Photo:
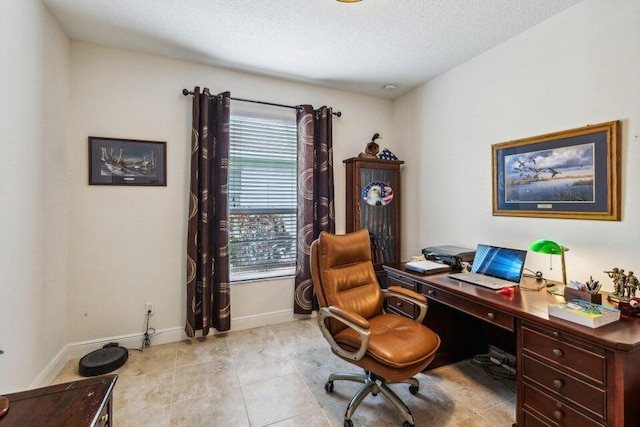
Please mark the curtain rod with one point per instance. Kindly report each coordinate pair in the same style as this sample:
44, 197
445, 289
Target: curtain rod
185, 92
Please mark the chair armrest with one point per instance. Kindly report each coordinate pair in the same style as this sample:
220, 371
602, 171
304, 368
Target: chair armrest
348, 316
407, 293
353, 321
410, 296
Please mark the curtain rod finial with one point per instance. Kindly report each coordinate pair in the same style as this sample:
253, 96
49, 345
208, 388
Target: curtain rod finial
186, 92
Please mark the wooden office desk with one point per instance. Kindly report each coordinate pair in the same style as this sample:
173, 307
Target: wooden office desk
567, 374
81, 403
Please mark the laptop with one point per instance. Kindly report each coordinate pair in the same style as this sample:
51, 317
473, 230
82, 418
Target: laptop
494, 267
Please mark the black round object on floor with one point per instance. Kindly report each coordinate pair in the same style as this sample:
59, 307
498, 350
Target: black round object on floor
104, 360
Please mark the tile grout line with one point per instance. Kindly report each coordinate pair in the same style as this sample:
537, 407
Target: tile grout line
235, 370
309, 390
173, 381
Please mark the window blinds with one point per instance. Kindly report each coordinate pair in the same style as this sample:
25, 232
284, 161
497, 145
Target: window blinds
262, 196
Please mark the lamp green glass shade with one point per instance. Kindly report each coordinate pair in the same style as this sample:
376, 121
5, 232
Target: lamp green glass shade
550, 247
544, 246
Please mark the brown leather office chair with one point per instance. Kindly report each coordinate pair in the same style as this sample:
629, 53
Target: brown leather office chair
390, 348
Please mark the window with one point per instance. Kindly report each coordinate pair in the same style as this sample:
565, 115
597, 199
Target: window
262, 196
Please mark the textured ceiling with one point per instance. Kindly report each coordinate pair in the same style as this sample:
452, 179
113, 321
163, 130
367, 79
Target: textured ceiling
358, 47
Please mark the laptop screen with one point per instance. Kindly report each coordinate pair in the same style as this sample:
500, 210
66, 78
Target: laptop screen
498, 262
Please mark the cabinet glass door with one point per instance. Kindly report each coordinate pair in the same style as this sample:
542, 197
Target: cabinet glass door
377, 211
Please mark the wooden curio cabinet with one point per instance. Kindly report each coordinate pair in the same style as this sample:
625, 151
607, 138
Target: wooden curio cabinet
373, 202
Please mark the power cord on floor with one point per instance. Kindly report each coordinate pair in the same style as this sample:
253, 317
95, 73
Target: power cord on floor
148, 333
499, 368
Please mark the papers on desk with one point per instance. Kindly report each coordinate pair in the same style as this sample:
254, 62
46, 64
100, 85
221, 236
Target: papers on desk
426, 267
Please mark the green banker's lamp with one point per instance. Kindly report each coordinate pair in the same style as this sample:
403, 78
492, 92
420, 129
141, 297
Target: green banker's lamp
550, 247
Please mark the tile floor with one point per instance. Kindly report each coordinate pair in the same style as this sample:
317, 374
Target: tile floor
275, 376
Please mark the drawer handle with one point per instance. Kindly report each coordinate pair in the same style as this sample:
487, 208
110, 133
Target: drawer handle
557, 414
558, 383
399, 304
557, 352
104, 418
491, 315
431, 292
556, 334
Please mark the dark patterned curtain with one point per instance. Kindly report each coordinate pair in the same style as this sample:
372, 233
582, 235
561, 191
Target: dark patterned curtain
208, 293
316, 210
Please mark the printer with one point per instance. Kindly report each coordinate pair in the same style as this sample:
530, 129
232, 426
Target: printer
453, 256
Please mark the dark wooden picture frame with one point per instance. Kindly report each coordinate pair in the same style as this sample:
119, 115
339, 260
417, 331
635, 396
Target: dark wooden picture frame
114, 161
573, 174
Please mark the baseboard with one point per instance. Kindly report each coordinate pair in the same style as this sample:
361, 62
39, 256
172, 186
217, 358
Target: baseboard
77, 350
162, 336
131, 341
47, 375
259, 320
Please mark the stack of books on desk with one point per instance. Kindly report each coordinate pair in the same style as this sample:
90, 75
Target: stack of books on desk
584, 313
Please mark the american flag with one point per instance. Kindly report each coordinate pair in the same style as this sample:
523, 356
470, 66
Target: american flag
387, 195
386, 154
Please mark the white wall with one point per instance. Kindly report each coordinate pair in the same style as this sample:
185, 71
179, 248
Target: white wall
127, 245
577, 68
34, 76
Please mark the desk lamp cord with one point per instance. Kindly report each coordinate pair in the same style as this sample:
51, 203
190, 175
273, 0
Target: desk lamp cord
538, 277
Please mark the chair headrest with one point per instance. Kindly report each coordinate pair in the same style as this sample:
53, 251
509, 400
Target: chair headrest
344, 249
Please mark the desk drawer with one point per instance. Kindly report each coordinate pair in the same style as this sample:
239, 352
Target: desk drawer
592, 399
404, 282
406, 308
103, 419
552, 410
531, 420
566, 356
488, 314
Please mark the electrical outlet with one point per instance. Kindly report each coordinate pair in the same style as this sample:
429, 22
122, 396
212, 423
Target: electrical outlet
149, 308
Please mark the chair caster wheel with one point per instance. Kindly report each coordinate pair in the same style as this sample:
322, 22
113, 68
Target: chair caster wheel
413, 389
348, 423
328, 386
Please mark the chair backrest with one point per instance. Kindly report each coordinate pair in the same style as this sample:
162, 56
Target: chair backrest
343, 275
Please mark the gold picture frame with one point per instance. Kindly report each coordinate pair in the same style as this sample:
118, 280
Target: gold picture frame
572, 174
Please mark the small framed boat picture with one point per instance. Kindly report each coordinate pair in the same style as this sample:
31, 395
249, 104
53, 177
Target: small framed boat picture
115, 161
572, 174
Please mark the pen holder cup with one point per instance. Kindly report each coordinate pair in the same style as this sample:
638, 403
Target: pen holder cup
571, 294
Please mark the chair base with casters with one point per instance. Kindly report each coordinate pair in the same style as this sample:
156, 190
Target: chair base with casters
374, 384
